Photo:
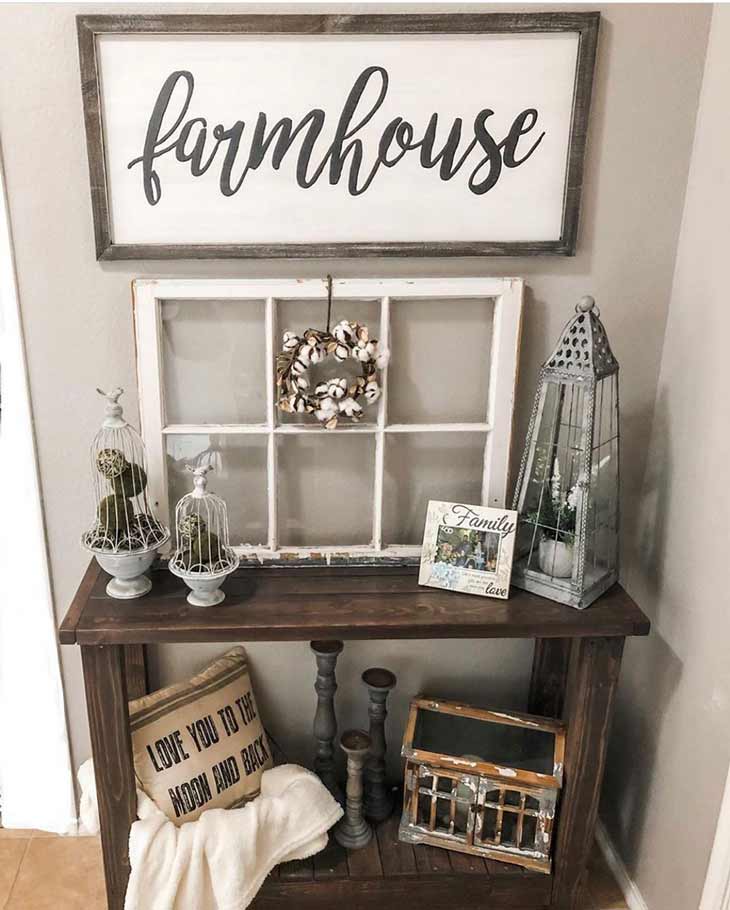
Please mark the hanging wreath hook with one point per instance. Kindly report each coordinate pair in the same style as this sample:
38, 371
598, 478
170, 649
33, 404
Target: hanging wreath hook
329, 302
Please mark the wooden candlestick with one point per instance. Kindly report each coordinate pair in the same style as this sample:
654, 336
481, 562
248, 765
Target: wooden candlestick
352, 831
378, 803
325, 721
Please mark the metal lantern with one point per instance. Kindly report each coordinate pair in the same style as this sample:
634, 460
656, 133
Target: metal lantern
203, 557
125, 535
567, 495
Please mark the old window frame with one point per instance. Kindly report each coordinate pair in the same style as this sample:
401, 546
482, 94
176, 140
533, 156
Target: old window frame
507, 294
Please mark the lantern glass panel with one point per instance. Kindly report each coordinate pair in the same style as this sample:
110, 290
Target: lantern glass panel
549, 510
602, 517
502, 744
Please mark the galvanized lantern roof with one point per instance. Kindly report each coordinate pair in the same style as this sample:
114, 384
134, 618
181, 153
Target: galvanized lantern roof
583, 350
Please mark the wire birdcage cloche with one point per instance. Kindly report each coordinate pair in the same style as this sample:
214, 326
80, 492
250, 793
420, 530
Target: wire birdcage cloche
125, 534
203, 557
567, 494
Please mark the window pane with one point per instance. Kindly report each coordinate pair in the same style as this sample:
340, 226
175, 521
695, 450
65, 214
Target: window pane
325, 489
299, 315
502, 744
213, 361
239, 476
439, 368
424, 466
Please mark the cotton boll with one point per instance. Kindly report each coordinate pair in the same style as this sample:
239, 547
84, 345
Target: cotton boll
316, 355
343, 331
382, 359
302, 382
342, 352
372, 391
321, 389
337, 388
361, 353
298, 367
350, 407
290, 341
327, 413
328, 406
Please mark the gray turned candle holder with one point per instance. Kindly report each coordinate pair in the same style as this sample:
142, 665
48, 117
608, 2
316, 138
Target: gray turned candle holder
378, 803
325, 720
352, 831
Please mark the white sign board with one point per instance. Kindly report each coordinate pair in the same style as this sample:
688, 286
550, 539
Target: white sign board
352, 141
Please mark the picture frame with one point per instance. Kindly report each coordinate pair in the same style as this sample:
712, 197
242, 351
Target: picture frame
520, 197
468, 548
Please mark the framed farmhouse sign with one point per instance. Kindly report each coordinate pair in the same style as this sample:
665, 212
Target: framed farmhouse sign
217, 136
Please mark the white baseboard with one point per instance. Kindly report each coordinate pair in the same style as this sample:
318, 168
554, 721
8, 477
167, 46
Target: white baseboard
631, 893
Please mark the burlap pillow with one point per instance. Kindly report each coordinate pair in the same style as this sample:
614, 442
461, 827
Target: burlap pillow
200, 744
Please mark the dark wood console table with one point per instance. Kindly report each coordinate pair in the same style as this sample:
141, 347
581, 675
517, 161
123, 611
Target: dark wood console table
574, 676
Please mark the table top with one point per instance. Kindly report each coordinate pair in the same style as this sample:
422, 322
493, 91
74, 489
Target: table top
306, 603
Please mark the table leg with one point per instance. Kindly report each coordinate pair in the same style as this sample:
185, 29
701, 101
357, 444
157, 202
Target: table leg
549, 676
135, 666
106, 700
592, 678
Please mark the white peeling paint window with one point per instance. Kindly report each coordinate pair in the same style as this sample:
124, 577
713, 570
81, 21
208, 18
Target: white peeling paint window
441, 429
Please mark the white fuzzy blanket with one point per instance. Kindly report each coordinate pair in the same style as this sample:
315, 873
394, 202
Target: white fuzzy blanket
220, 861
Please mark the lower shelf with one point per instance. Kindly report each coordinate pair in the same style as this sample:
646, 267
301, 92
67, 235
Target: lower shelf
388, 874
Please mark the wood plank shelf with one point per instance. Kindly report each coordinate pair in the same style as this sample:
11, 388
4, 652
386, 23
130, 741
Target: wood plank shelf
301, 604
389, 874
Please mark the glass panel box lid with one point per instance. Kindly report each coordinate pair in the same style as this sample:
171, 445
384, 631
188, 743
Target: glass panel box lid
482, 782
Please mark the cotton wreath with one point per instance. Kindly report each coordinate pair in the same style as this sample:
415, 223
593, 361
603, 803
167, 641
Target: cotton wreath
336, 398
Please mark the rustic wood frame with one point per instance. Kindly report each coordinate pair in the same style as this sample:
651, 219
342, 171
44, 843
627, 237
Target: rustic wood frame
89, 26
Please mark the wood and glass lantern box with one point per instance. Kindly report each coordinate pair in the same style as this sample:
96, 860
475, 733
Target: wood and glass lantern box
482, 782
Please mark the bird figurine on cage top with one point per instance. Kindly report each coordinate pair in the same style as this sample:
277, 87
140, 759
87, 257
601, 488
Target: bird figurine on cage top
125, 534
203, 557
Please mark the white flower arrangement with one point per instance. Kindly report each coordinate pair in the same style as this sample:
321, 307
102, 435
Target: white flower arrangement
334, 399
557, 510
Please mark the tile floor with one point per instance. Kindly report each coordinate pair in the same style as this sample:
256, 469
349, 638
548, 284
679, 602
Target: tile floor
42, 872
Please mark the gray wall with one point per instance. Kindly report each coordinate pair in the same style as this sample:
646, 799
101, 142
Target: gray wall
671, 743
78, 318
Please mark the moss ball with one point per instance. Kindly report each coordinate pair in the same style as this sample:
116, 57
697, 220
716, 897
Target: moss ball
206, 550
190, 526
147, 524
115, 513
111, 463
131, 482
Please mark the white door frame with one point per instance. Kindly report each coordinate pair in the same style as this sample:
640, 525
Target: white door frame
35, 764
716, 893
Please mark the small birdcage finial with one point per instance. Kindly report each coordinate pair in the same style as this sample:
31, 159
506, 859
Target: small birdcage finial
200, 478
113, 408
